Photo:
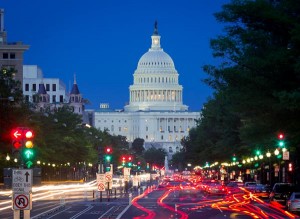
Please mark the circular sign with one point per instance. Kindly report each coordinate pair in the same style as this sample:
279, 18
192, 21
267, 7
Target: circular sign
21, 201
101, 187
108, 177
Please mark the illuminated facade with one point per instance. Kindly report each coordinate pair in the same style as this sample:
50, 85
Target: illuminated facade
155, 112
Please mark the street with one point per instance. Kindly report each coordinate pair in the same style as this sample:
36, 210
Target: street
77, 201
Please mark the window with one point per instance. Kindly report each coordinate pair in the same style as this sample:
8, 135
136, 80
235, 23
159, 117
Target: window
33, 87
146, 128
146, 136
162, 137
12, 55
53, 87
5, 55
47, 87
112, 128
53, 98
26, 87
120, 129
27, 98
170, 150
61, 98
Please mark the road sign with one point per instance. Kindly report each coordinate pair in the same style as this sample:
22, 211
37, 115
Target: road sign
108, 177
22, 181
286, 155
101, 187
135, 181
126, 178
101, 182
126, 171
21, 202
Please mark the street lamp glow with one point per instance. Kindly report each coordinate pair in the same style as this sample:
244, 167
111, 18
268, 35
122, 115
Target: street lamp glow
268, 154
7, 157
261, 156
251, 159
255, 158
243, 161
284, 149
276, 152
16, 160
248, 160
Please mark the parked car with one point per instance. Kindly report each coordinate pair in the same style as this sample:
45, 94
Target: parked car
293, 203
281, 192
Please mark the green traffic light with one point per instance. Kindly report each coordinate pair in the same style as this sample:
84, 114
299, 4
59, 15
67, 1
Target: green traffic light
257, 152
108, 158
129, 164
281, 143
28, 154
234, 159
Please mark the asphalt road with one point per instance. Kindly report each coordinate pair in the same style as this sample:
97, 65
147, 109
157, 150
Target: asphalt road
152, 203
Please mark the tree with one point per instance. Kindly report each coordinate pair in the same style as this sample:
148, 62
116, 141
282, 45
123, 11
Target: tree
138, 146
256, 83
155, 156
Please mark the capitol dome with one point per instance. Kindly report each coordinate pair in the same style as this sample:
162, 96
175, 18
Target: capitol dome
155, 85
155, 59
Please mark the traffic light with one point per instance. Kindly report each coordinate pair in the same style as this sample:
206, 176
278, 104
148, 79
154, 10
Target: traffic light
123, 160
129, 161
281, 140
17, 141
290, 167
138, 165
22, 145
28, 153
234, 158
107, 158
257, 152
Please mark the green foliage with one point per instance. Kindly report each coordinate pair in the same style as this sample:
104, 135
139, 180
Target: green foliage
138, 146
155, 156
256, 84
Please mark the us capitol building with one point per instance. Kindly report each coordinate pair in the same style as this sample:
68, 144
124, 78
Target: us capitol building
155, 112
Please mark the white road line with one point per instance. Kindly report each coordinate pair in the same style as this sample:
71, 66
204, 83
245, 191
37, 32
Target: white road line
82, 212
123, 212
106, 212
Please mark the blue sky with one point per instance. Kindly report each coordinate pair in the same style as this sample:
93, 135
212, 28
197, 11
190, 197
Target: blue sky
102, 42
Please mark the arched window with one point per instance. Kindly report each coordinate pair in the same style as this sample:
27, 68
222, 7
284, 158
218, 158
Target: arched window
170, 150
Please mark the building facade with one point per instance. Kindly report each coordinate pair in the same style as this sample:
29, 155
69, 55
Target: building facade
11, 53
55, 88
155, 112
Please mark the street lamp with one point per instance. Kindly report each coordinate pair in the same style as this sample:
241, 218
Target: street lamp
276, 152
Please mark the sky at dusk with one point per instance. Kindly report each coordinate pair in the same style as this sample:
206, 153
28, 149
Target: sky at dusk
102, 41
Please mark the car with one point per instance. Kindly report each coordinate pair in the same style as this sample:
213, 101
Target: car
234, 187
250, 184
187, 189
293, 203
216, 189
261, 190
281, 192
